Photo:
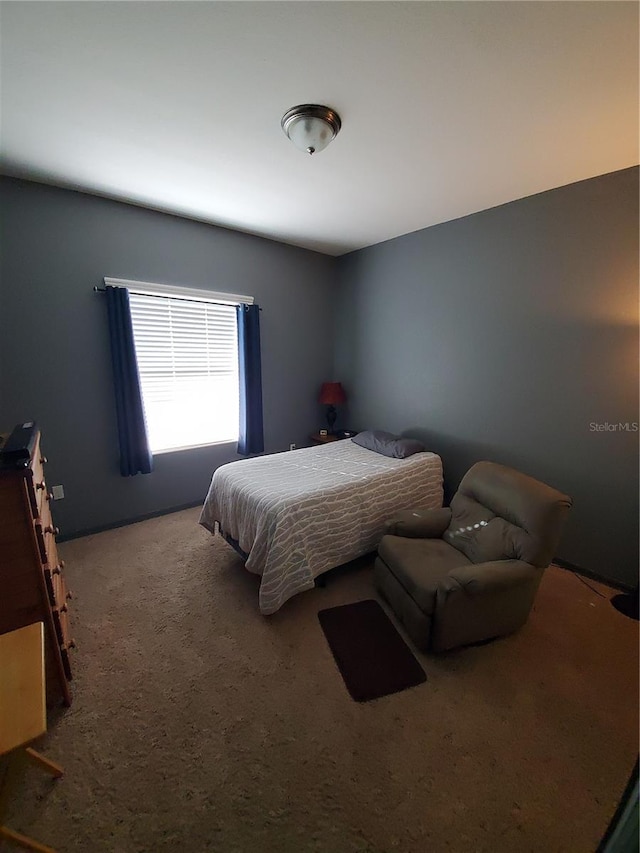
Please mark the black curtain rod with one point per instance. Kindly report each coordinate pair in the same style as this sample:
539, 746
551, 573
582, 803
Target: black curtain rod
152, 295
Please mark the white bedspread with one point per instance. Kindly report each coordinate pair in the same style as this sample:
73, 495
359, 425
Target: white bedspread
301, 513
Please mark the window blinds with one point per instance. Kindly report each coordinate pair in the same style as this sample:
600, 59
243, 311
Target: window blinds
187, 354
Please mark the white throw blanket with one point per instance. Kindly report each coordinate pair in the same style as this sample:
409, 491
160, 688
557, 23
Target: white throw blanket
301, 513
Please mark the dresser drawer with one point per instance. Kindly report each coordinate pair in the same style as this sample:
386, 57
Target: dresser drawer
66, 660
43, 497
56, 584
60, 594
61, 624
53, 560
60, 609
37, 496
46, 533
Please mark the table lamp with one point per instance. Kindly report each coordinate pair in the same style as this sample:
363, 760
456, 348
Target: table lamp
331, 395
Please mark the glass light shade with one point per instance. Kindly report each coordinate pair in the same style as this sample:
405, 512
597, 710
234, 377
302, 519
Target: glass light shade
310, 134
311, 127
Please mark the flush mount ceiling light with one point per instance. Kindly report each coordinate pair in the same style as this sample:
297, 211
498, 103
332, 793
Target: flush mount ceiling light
311, 127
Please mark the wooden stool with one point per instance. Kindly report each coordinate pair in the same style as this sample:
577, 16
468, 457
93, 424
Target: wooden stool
23, 715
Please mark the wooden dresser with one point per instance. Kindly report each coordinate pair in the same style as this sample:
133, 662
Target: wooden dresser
32, 585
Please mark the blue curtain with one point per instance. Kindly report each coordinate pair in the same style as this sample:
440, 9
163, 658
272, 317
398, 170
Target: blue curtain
251, 432
135, 457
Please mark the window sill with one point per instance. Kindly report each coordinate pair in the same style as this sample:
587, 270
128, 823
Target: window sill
193, 446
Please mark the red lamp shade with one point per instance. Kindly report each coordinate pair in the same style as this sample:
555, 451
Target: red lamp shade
332, 394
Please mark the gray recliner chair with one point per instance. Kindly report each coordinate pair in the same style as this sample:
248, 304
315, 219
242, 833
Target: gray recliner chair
470, 572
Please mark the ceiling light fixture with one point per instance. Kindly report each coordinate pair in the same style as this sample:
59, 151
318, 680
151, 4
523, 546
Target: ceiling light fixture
311, 127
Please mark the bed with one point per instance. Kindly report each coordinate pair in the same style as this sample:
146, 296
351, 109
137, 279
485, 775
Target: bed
296, 515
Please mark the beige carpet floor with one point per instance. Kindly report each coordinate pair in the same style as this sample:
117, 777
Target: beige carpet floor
199, 725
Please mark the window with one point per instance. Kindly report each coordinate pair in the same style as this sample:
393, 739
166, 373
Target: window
187, 352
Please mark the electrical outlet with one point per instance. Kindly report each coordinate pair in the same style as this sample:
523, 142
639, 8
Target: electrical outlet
58, 492
292, 447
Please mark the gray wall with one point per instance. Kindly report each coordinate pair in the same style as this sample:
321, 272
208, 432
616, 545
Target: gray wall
54, 351
504, 336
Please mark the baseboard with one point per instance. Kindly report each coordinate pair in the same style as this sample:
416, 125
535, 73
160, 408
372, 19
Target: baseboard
594, 576
78, 534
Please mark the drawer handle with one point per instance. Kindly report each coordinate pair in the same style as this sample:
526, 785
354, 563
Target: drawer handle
51, 529
57, 569
43, 460
63, 608
49, 496
69, 595
41, 485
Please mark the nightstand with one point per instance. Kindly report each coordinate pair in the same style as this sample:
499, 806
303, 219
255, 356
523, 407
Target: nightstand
316, 438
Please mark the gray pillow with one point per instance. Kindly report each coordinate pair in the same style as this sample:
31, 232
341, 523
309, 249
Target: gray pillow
388, 444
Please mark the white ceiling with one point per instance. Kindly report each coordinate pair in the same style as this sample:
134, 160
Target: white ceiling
447, 107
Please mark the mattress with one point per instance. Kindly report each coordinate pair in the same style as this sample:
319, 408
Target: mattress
301, 513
